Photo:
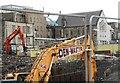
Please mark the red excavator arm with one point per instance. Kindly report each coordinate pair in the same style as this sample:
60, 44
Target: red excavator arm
11, 36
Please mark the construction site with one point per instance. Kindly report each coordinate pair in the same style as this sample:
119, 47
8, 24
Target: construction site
78, 47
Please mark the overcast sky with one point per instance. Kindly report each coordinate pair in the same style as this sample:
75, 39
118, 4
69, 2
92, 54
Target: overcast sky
110, 7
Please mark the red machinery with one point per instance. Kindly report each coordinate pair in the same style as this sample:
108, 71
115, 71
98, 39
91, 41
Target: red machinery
11, 36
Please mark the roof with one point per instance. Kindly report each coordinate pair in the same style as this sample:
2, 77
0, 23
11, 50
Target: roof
77, 21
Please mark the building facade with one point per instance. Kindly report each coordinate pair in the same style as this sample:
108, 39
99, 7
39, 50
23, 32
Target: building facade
104, 31
39, 22
34, 25
11, 27
74, 26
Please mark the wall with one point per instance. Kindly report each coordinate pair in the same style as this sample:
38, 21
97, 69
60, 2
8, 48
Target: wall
39, 22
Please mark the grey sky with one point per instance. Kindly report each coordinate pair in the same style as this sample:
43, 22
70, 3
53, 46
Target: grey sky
110, 7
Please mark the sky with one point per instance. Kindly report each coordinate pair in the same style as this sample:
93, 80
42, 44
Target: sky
110, 7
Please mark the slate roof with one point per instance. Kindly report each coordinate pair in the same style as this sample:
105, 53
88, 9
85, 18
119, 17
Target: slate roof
76, 21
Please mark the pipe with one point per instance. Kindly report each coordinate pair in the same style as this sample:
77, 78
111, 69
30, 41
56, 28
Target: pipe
40, 12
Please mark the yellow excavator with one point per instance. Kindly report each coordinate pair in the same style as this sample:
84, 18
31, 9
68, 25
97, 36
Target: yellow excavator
41, 69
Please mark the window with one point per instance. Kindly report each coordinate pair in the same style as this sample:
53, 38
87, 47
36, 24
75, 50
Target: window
13, 27
20, 19
105, 42
28, 30
18, 40
30, 19
41, 20
28, 41
41, 28
41, 36
102, 25
78, 32
34, 19
37, 35
71, 33
66, 35
61, 33
37, 28
16, 19
41, 42
24, 29
37, 19
64, 22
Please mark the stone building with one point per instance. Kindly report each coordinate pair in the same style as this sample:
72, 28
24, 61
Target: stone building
74, 26
34, 25
11, 27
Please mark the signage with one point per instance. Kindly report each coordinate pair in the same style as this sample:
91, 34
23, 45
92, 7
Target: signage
68, 51
43, 66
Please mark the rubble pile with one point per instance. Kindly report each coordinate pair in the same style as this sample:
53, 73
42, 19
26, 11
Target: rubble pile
64, 70
13, 63
107, 70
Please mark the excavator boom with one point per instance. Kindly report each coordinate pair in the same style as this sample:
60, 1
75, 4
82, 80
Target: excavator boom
11, 36
41, 69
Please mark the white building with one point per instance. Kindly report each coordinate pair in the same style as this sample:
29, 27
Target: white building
104, 31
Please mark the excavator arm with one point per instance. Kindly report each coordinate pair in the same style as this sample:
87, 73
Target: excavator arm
53, 22
41, 69
11, 36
